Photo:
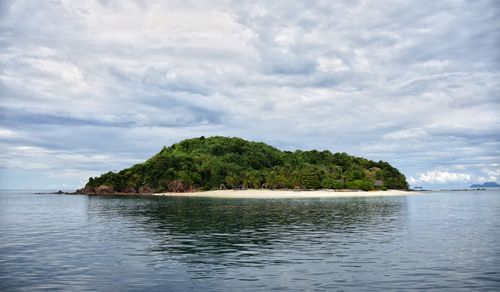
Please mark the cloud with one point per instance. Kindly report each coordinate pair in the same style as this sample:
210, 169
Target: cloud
441, 177
413, 84
6, 133
474, 173
492, 173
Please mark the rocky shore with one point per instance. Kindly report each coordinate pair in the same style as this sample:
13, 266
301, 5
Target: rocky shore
108, 190
243, 193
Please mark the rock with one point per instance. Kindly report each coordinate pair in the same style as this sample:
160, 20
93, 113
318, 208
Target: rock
175, 186
145, 189
103, 189
130, 190
86, 190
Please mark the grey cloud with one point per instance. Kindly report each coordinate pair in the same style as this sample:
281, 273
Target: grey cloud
5, 7
15, 118
415, 84
22, 118
158, 80
288, 65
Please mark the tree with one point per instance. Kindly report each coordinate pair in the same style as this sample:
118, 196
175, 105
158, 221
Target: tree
311, 178
331, 183
231, 181
206, 163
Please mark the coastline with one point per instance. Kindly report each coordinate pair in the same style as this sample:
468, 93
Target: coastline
286, 194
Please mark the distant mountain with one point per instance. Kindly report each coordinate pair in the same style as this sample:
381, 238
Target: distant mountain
490, 184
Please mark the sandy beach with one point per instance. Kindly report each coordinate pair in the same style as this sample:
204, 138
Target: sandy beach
286, 194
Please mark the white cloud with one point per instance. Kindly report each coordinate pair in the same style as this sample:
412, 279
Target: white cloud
441, 177
412, 181
6, 133
493, 172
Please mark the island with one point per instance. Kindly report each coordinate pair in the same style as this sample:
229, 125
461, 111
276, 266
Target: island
209, 165
489, 184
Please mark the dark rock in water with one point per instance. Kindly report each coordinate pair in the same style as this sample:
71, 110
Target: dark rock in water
57, 193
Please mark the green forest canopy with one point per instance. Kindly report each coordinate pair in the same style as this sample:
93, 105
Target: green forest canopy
223, 162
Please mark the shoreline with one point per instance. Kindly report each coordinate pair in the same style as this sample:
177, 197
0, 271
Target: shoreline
286, 194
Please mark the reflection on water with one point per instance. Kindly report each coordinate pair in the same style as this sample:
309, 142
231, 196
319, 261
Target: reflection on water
442, 240
257, 232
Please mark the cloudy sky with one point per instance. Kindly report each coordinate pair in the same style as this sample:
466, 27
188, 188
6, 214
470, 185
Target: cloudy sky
92, 86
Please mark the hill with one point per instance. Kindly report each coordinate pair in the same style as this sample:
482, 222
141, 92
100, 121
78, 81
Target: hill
222, 162
489, 184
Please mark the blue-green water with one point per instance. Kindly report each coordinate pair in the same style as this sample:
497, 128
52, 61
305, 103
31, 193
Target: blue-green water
436, 240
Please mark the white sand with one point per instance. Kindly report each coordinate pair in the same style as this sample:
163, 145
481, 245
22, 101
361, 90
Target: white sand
286, 194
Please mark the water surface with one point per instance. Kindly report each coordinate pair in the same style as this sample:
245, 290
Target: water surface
436, 240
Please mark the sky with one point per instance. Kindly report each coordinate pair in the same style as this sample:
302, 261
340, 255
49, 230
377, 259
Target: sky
92, 86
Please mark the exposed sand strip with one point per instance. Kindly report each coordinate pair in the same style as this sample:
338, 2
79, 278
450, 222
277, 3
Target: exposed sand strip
286, 194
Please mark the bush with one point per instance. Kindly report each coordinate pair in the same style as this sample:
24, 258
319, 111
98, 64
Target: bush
206, 163
360, 185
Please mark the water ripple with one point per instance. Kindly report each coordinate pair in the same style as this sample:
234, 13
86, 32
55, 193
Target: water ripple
432, 241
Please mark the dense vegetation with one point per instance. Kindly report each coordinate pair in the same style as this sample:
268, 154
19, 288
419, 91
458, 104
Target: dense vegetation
221, 162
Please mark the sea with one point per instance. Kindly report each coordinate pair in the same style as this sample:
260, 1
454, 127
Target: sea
446, 240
